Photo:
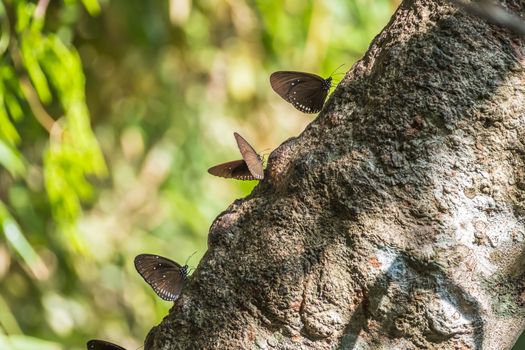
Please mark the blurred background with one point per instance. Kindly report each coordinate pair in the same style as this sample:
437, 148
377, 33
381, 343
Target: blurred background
111, 111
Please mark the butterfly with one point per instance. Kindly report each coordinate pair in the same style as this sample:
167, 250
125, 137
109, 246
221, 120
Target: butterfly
248, 168
96, 344
165, 276
305, 91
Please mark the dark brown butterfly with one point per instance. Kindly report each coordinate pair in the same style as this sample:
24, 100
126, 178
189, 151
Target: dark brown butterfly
96, 344
248, 168
305, 91
165, 276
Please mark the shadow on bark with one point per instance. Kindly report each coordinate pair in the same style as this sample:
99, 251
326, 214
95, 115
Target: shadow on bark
413, 279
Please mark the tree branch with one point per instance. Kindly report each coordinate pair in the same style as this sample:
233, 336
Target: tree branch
395, 220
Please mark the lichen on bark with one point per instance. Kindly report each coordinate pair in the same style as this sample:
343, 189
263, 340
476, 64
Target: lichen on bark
394, 221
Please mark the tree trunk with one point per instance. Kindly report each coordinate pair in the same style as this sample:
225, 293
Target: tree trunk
396, 220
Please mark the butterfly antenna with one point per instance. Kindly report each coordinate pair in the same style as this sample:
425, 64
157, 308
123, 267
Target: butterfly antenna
263, 155
266, 152
186, 263
337, 69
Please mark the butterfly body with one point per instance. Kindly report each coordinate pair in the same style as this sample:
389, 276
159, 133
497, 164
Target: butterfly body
165, 276
96, 344
305, 91
248, 168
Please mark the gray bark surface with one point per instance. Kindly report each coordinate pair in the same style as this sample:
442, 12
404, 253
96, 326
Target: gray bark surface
396, 220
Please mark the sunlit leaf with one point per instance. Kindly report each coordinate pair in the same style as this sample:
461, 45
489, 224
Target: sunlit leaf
30, 42
20, 244
92, 6
5, 31
7, 318
24, 12
10, 80
15, 111
11, 159
8, 132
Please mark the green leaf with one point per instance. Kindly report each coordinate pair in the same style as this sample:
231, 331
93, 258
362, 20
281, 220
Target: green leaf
8, 132
18, 241
30, 43
12, 160
15, 111
92, 6
5, 31
11, 83
24, 12
7, 318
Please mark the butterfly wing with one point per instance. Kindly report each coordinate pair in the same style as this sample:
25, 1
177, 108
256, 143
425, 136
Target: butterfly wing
165, 276
283, 82
305, 91
252, 159
237, 169
96, 344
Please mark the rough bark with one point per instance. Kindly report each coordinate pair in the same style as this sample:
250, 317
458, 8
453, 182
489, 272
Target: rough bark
394, 221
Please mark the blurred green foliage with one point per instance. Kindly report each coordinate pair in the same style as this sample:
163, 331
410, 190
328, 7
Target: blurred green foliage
166, 83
